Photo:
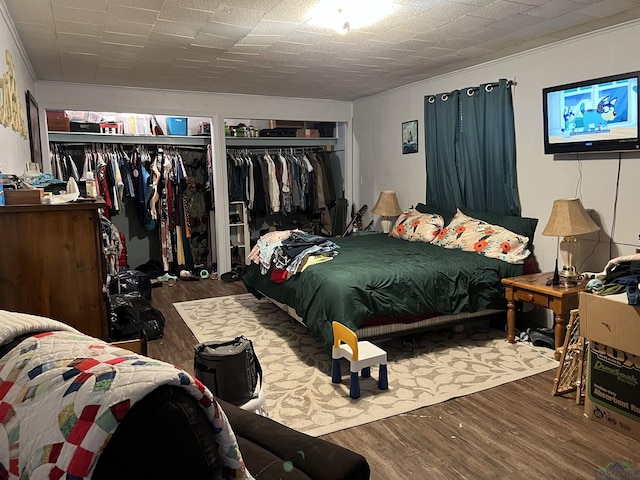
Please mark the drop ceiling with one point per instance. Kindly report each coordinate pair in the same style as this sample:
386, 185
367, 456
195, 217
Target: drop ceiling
268, 47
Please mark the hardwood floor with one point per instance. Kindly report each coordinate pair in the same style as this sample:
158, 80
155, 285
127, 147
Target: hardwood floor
515, 431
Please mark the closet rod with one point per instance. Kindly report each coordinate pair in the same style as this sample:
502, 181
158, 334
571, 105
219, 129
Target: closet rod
165, 140
272, 150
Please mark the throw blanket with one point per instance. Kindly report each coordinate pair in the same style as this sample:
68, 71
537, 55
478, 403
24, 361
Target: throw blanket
62, 395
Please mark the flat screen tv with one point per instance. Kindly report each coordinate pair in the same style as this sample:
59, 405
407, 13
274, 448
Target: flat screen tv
597, 115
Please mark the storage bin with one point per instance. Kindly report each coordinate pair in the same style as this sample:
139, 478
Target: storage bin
23, 197
85, 127
177, 125
58, 124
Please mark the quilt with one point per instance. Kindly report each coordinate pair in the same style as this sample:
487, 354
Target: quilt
62, 395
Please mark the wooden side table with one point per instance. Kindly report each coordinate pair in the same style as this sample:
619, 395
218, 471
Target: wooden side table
533, 289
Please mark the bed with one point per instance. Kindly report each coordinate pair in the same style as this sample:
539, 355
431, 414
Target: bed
380, 285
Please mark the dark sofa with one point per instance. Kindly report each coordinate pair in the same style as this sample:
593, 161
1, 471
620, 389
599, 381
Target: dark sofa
166, 435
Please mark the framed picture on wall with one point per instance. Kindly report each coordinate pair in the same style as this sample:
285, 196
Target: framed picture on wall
410, 137
33, 119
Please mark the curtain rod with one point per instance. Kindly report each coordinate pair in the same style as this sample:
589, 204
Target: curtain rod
470, 90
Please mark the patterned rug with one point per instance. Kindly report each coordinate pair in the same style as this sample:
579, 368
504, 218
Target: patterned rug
425, 370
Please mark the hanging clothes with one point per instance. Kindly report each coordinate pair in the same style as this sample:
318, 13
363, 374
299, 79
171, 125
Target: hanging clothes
158, 183
283, 183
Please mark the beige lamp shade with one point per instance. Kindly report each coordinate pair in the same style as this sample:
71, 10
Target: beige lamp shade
568, 219
387, 206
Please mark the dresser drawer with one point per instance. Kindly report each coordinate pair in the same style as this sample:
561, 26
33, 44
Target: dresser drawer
531, 297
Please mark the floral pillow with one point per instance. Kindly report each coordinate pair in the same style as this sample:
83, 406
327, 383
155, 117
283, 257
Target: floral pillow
473, 235
417, 227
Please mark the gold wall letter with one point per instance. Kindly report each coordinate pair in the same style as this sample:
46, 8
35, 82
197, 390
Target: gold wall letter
12, 109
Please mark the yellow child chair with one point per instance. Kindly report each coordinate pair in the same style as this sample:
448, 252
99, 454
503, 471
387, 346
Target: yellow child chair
362, 356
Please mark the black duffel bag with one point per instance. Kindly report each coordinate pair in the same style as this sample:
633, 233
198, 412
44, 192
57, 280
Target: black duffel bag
131, 314
230, 369
127, 281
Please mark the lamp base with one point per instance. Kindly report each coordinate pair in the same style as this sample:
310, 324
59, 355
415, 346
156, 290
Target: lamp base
385, 224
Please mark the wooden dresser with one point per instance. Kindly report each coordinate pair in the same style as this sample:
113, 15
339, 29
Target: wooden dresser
51, 263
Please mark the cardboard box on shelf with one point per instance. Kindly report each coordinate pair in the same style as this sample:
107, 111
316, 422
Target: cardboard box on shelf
286, 124
308, 133
610, 320
58, 124
56, 114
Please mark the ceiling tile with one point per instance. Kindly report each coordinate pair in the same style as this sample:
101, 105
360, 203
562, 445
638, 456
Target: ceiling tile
128, 28
197, 18
205, 40
100, 5
29, 11
272, 27
227, 31
204, 5
134, 15
123, 39
79, 15
164, 27
554, 8
606, 9
261, 5
26, 29
241, 17
147, 4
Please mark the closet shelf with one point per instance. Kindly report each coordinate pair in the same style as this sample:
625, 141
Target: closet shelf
275, 142
247, 142
81, 137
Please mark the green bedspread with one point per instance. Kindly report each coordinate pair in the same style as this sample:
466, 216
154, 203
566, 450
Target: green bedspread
380, 276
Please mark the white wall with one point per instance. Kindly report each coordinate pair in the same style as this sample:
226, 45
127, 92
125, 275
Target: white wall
541, 179
15, 148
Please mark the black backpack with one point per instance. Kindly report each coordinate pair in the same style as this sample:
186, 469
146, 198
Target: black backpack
229, 369
131, 314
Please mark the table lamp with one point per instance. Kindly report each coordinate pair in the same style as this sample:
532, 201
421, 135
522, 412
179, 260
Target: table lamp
568, 219
387, 207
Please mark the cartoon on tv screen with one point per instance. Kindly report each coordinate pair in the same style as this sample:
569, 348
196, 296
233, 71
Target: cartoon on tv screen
605, 111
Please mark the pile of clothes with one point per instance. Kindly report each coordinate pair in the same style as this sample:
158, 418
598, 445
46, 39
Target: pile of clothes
285, 253
622, 274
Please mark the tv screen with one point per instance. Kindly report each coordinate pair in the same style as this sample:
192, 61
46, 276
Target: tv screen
592, 116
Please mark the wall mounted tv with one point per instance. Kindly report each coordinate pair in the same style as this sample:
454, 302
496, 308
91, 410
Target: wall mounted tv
597, 115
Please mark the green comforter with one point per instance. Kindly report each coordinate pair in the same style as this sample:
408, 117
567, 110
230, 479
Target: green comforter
380, 276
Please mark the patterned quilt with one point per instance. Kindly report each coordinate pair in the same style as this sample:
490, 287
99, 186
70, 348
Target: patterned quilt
62, 395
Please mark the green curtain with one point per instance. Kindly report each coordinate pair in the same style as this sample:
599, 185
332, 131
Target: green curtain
470, 149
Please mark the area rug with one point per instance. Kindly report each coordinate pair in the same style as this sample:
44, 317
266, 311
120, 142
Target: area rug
423, 370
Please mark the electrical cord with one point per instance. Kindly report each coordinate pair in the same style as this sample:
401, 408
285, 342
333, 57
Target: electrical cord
615, 206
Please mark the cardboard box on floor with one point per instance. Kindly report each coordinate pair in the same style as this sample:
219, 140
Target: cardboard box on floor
610, 320
612, 327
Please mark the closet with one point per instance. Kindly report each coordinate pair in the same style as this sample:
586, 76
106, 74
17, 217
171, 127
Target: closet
217, 233
156, 190
287, 182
